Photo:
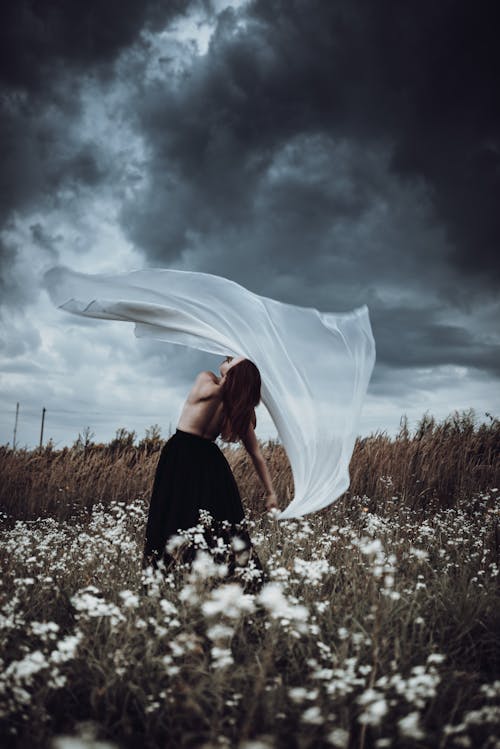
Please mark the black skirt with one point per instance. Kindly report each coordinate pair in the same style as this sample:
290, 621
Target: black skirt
192, 475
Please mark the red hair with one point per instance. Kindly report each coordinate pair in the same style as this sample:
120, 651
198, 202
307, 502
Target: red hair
240, 395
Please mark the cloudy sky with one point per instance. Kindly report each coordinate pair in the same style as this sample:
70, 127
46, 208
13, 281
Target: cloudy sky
326, 153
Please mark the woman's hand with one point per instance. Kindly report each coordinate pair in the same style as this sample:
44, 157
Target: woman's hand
271, 501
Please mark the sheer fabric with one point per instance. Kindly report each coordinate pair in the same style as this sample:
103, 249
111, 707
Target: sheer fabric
315, 366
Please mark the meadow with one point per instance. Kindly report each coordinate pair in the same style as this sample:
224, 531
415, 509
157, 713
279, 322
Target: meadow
378, 626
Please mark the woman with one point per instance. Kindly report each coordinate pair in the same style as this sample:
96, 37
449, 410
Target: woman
193, 473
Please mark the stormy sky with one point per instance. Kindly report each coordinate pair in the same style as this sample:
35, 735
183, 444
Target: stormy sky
326, 153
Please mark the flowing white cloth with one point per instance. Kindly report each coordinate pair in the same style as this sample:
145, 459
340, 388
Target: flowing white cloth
315, 366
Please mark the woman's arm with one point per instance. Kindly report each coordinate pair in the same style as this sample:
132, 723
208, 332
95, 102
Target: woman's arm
260, 465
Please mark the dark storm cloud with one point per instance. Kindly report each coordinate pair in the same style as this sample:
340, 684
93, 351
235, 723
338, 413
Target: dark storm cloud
40, 36
42, 239
41, 153
419, 78
410, 337
317, 152
46, 46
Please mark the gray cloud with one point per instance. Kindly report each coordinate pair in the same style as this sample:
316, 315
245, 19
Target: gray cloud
410, 337
48, 51
39, 39
389, 74
328, 154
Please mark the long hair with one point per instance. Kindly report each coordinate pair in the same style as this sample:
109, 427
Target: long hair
240, 395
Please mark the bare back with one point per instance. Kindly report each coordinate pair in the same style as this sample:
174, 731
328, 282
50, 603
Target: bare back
203, 410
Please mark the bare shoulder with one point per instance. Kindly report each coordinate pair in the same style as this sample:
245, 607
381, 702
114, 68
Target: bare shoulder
205, 386
207, 376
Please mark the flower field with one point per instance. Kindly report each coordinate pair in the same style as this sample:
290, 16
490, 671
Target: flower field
378, 627
375, 630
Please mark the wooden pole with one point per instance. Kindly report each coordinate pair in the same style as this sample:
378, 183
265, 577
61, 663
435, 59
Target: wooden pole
15, 427
41, 430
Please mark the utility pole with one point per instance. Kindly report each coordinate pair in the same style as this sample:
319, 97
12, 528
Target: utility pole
41, 430
15, 427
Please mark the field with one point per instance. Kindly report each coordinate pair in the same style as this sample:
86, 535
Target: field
379, 627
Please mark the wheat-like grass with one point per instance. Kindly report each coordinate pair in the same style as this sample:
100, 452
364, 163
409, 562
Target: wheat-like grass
433, 467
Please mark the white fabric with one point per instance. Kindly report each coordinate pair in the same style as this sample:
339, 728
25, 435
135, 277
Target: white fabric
315, 366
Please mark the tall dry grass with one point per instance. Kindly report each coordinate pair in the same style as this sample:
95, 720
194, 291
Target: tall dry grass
435, 466
379, 627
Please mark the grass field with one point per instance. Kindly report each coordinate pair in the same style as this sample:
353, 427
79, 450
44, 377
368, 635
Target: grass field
379, 627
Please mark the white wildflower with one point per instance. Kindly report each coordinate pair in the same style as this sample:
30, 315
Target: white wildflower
204, 566
339, 738
375, 707
222, 657
90, 605
188, 594
419, 553
238, 544
45, 630
130, 600
280, 573
272, 597
409, 726
174, 542
30, 665
368, 546
491, 691
219, 631
436, 658
313, 570
312, 715
168, 607
229, 600
297, 694
66, 648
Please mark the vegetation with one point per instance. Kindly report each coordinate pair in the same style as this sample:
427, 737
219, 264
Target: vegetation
437, 465
378, 626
